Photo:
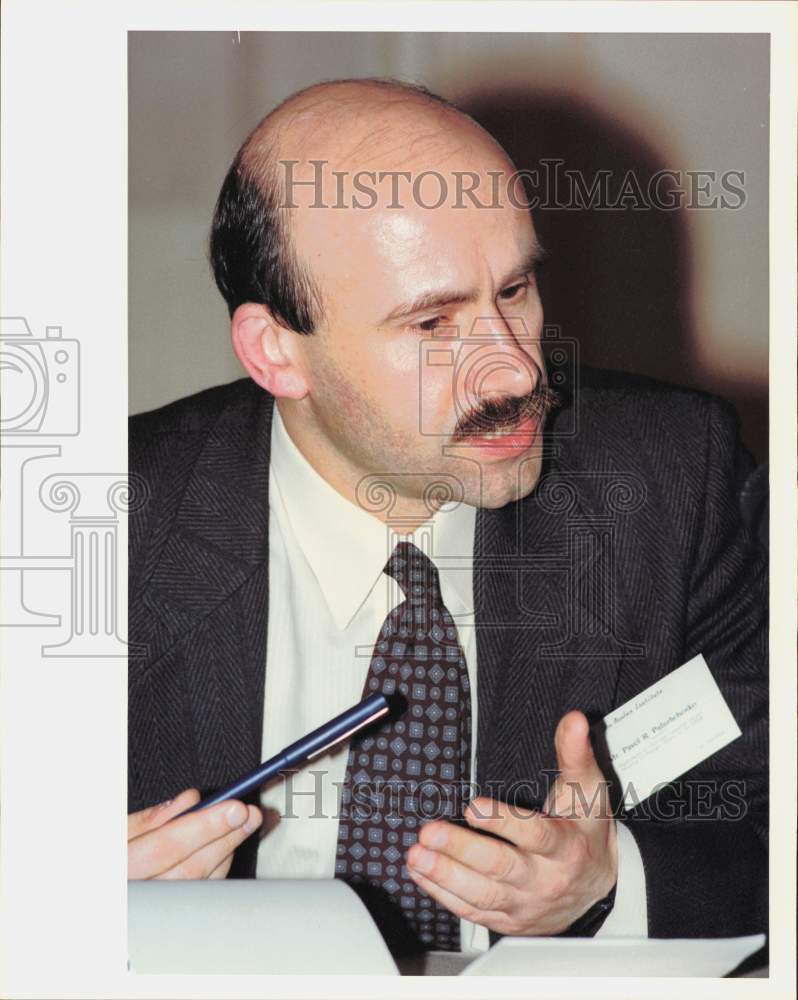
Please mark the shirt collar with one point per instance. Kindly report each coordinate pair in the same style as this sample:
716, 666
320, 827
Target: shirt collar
347, 548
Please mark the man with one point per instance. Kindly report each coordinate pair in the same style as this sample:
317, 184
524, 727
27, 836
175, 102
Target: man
396, 463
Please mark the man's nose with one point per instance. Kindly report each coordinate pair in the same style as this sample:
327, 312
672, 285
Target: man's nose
502, 358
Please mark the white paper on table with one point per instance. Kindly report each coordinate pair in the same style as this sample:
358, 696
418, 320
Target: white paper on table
268, 926
320, 927
684, 957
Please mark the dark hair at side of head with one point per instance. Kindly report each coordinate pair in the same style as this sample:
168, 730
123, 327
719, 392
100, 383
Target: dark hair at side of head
250, 247
251, 253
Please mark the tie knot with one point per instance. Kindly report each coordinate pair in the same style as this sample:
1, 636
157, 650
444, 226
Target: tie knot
415, 573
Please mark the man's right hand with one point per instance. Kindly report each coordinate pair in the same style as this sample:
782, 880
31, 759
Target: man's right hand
196, 846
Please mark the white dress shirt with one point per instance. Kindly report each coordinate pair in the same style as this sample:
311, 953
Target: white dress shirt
328, 598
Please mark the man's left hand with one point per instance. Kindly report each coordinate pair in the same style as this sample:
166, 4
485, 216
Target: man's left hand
548, 868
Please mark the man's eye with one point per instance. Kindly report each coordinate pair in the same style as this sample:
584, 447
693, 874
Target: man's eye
513, 291
427, 325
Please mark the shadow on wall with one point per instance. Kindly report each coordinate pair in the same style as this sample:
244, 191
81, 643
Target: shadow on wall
618, 281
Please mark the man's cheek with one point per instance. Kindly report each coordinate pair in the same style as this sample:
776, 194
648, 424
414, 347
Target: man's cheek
399, 355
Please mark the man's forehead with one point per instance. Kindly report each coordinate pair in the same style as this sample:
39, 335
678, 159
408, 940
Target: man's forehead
380, 257
395, 185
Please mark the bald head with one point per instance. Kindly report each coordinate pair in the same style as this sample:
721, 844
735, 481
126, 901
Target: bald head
297, 156
349, 123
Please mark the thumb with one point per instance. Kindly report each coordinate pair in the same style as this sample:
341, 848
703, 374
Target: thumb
580, 789
575, 758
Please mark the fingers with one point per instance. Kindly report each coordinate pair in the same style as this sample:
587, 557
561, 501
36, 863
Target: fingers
214, 859
155, 816
524, 892
221, 870
527, 830
485, 855
171, 845
477, 891
459, 907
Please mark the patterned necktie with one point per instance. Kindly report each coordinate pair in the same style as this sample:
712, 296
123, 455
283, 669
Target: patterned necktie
414, 767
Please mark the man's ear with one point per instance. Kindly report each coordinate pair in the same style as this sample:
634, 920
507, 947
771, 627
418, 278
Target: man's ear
264, 348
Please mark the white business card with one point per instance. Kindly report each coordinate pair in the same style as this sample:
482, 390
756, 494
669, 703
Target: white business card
667, 729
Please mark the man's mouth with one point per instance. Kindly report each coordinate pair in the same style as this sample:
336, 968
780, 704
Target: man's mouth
505, 441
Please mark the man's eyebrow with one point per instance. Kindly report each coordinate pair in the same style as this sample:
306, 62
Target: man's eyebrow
533, 259
429, 301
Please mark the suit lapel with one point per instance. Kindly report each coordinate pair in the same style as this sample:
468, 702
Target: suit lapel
494, 598
521, 605
208, 595
547, 573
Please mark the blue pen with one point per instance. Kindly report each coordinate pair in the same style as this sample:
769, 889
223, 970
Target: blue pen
310, 746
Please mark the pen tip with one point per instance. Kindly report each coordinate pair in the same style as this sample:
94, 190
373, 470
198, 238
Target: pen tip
397, 705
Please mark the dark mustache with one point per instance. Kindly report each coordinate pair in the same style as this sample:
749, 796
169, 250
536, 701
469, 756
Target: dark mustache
507, 412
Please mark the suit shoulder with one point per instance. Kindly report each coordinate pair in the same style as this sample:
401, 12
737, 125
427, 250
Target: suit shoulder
177, 425
628, 403
189, 414
637, 422
607, 385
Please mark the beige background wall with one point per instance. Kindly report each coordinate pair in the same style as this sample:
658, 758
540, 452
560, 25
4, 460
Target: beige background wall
680, 295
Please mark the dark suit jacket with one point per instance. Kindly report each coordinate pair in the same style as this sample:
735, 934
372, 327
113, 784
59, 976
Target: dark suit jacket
628, 559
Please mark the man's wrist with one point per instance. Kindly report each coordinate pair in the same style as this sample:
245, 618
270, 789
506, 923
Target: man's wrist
592, 919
